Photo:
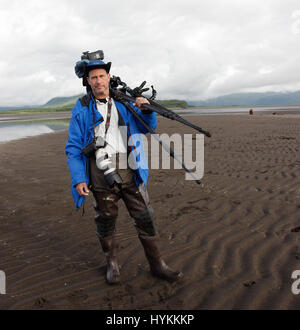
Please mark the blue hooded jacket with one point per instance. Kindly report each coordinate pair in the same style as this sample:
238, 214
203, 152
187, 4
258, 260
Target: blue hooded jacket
81, 133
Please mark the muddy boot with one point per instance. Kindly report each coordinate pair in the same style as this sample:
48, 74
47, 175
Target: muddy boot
108, 246
157, 266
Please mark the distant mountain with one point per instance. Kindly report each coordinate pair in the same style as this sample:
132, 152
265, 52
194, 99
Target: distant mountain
237, 99
251, 99
62, 101
69, 101
173, 103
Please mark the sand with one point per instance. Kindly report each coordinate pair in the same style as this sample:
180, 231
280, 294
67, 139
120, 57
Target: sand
236, 237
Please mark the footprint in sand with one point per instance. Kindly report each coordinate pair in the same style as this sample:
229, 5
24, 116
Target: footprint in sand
249, 284
295, 230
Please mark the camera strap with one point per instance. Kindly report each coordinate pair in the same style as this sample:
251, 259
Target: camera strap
107, 123
108, 115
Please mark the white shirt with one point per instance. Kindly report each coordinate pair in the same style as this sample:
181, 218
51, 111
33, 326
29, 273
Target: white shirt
115, 143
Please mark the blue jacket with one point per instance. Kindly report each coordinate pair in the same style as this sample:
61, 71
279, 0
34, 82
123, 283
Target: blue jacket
81, 133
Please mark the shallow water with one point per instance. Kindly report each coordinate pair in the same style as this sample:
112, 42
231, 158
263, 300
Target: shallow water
18, 130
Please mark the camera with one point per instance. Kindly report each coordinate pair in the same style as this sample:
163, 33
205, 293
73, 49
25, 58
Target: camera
105, 164
81, 66
97, 55
90, 149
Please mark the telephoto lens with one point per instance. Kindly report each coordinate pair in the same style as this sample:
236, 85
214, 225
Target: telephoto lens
104, 163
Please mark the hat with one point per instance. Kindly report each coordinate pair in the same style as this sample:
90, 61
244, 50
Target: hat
98, 64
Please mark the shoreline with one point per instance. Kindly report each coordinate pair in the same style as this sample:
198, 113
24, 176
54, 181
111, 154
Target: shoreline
286, 115
182, 112
38, 116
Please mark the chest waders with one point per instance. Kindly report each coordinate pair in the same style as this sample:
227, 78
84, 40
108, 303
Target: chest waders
136, 200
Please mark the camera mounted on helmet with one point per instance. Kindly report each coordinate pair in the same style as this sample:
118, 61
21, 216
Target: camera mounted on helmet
90, 61
97, 55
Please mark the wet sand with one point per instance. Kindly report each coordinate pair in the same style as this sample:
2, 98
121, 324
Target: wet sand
236, 237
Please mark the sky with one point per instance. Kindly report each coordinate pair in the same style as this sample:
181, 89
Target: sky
189, 50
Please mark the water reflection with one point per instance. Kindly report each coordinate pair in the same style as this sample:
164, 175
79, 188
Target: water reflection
14, 130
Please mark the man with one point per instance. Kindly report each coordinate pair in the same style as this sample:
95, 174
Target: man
98, 115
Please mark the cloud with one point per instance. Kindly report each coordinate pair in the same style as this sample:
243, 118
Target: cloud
188, 50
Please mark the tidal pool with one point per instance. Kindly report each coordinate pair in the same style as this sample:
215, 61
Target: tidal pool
17, 130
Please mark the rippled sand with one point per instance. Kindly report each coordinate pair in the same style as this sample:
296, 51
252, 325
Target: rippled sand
236, 237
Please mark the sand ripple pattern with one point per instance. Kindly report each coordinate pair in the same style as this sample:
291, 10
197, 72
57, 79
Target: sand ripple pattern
236, 237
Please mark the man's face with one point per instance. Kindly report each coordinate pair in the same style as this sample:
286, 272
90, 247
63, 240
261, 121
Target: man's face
98, 79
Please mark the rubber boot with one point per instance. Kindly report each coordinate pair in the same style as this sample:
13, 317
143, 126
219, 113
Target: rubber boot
157, 265
108, 246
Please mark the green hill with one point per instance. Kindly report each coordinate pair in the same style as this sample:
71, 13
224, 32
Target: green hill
173, 103
62, 101
70, 101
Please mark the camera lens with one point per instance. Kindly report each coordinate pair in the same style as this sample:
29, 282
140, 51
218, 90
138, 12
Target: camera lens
104, 163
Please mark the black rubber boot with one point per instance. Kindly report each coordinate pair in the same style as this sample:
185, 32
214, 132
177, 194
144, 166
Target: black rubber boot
108, 246
157, 265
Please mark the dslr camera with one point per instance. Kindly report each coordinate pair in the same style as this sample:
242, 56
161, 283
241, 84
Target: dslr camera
103, 161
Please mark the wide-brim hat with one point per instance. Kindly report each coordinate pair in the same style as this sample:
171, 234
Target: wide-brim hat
98, 64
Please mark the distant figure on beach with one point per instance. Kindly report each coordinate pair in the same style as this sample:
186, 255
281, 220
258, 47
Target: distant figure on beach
94, 149
251, 112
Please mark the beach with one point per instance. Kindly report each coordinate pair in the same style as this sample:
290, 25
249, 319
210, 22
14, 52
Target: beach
236, 237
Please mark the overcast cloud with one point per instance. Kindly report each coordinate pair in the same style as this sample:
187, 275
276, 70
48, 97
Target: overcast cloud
188, 49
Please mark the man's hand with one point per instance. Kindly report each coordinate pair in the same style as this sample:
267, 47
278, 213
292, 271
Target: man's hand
139, 101
82, 189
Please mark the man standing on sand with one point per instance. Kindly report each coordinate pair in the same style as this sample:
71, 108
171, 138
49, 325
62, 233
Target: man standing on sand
97, 115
